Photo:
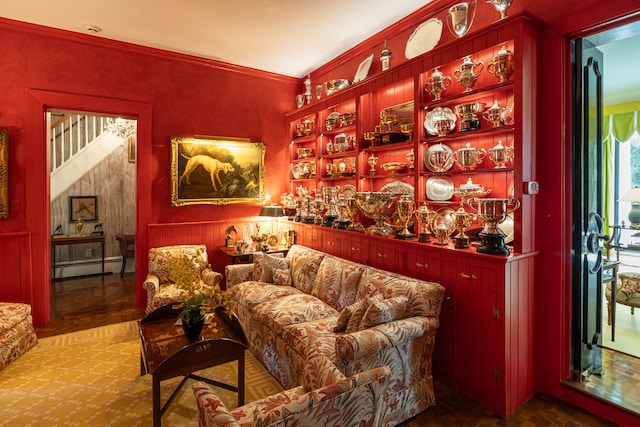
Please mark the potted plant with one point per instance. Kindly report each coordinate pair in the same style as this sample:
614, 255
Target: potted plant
197, 298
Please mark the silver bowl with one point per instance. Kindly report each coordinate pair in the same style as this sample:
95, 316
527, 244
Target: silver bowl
376, 206
333, 86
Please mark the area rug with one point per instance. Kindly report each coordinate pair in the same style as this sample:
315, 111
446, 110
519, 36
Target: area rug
92, 378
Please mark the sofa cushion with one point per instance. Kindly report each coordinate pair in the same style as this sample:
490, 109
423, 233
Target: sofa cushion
304, 264
265, 264
337, 282
252, 293
282, 277
291, 309
384, 311
425, 298
312, 337
358, 314
347, 312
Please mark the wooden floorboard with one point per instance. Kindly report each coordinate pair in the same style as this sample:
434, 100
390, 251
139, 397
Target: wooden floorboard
89, 302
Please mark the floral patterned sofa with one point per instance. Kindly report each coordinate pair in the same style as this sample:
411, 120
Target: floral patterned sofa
16, 331
325, 398
359, 317
159, 283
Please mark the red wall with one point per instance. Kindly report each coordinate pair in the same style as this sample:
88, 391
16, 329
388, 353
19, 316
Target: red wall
171, 95
182, 96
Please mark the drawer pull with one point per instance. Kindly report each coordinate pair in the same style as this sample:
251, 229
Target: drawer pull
421, 265
468, 276
382, 255
330, 243
353, 248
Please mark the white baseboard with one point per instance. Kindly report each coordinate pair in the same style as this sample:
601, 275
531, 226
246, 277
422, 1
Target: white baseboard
91, 267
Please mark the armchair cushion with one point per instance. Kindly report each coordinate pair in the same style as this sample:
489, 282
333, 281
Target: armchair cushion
159, 258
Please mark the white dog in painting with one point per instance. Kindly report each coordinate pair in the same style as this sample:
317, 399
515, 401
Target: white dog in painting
211, 165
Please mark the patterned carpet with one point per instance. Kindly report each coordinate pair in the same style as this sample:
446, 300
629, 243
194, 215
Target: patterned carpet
92, 377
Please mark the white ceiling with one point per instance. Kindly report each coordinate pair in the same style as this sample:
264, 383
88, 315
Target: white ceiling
621, 83
289, 37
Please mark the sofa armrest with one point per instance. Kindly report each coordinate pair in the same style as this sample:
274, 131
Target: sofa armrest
211, 410
237, 273
360, 344
356, 400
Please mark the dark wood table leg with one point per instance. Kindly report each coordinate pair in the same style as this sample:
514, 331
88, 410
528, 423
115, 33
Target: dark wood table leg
241, 379
157, 412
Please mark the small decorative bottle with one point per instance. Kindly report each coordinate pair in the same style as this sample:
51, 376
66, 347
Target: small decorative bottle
385, 57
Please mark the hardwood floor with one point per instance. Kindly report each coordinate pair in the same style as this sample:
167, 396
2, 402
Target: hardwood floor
96, 301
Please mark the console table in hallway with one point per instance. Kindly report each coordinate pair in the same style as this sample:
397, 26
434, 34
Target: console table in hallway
75, 240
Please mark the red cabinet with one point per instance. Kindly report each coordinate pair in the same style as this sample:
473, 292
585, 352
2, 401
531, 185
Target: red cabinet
484, 343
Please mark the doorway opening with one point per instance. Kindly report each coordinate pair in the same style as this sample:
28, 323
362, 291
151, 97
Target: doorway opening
619, 104
92, 200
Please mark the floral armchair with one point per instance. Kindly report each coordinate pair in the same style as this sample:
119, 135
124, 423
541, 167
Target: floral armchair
326, 398
160, 284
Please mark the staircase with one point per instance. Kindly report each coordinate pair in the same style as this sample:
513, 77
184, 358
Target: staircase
78, 143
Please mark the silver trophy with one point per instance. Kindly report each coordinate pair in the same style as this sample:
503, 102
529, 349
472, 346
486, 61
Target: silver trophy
460, 18
376, 205
492, 212
501, 6
405, 207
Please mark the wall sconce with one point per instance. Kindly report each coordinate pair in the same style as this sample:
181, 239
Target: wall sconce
633, 196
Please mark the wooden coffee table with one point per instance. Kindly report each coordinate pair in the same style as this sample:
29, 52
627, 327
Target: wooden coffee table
167, 353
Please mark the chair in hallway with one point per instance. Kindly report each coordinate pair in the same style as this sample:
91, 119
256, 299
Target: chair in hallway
127, 249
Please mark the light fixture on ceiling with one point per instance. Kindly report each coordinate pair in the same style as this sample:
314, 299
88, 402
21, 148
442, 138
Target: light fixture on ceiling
120, 127
92, 28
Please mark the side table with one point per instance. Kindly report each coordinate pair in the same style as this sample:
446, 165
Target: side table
167, 353
247, 257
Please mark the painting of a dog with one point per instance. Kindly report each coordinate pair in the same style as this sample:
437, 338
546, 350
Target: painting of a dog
214, 166
216, 171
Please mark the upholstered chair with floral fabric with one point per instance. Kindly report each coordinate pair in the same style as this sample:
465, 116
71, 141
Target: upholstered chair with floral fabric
160, 285
326, 398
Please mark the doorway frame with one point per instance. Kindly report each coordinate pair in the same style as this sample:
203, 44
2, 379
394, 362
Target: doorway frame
37, 205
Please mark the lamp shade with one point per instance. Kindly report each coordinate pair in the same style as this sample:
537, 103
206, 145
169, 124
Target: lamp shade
633, 195
271, 211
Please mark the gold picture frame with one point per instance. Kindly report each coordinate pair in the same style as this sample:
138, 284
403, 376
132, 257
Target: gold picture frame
216, 171
4, 173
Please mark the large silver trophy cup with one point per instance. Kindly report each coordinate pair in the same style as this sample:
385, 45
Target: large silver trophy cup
492, 212
376, 205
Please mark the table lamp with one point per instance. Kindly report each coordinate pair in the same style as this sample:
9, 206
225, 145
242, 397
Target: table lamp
633, 196
271, 212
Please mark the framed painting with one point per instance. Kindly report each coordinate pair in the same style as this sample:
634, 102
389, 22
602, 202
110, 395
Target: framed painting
216, 170
4, 174
85, 207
